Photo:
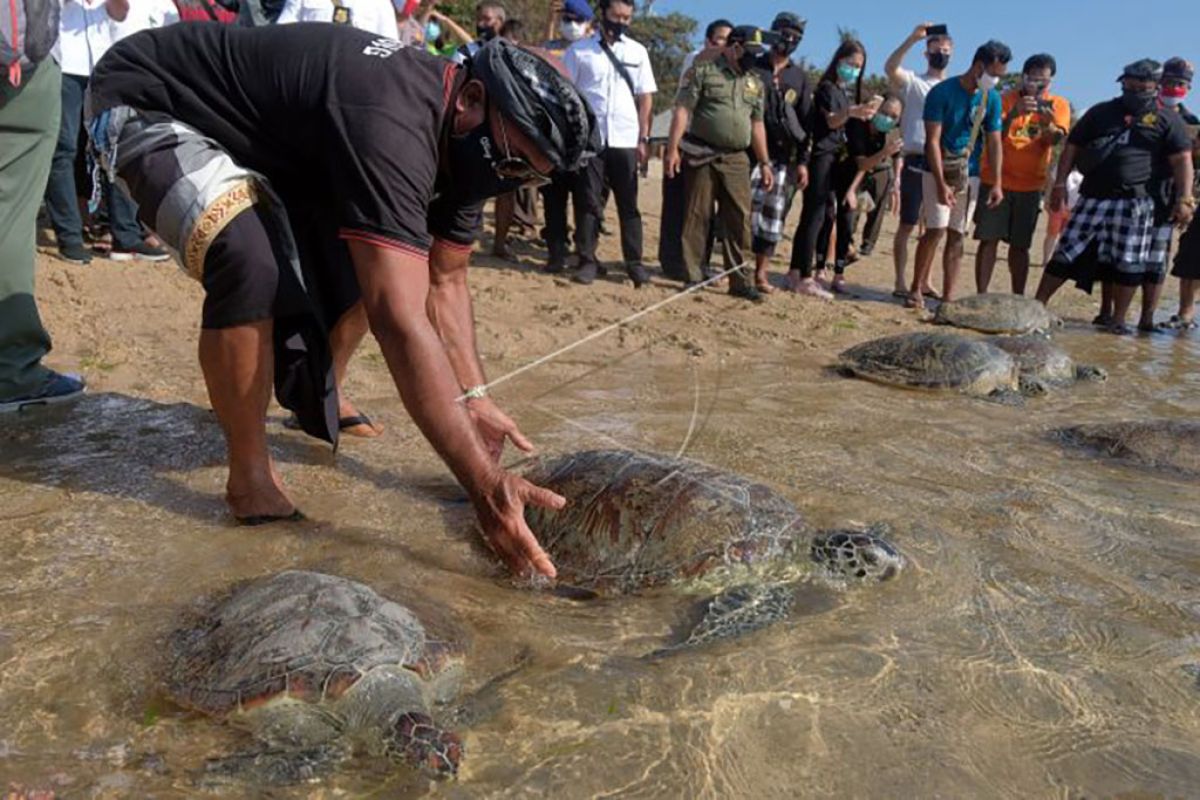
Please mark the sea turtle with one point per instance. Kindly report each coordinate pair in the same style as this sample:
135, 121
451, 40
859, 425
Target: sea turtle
639, 520
1168, 445
1039, 359
317, 667
997, 313
936, 360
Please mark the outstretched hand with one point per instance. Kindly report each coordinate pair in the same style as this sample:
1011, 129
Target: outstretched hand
495, 426
501, 512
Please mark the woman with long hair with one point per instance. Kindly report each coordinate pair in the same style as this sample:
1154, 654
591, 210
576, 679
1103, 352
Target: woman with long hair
838, 99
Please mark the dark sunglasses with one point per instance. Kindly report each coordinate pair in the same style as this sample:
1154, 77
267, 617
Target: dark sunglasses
515, 168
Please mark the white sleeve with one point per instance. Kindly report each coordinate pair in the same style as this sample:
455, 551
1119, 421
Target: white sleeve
289, 13
571, 62
385, 23
904, 78
644, 80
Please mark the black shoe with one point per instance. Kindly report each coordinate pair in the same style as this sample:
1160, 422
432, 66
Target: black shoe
747, 293
601, 270
586, 274
638, 274
74, 254
555, 269
139, 252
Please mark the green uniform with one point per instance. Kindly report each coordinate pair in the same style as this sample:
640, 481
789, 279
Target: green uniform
724, 104
28, 131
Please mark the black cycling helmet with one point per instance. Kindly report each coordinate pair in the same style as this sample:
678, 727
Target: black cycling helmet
539, 100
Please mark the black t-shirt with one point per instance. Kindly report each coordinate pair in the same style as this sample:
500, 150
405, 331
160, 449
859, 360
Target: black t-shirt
1145, 145
788, 107
334, 117
828, 99
863, 139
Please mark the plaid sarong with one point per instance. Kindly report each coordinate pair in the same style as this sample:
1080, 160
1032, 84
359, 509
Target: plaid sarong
1123, 230
768, 209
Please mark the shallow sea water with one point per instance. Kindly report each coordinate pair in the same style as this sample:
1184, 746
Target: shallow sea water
1041, 643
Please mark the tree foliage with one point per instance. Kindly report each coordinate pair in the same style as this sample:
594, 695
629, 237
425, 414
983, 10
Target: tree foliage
668, 39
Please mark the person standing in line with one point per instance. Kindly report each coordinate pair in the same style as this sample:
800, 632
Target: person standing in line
612, 71
574, 22
489, 19
1177, 82
1121, 146
670, 223
1035, 122
912, 90
874, 146
832, 109
786, 117
520, 205
30, 94
960, 115
85, 33
718, 117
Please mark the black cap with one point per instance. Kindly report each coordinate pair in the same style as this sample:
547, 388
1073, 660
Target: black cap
752, 37
788, 20
1178, 68
1146, 69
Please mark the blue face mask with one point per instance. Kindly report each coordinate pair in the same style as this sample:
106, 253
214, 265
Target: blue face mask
883, 123
432, 31
848, 72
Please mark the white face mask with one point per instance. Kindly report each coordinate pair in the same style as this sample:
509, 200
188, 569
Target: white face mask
1172, 102
987, 82
572, 31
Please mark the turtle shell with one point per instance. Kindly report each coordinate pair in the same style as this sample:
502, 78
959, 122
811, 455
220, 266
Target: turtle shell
1039, 357
996, 313
635, 520
933, 361
1168, 445
306, 635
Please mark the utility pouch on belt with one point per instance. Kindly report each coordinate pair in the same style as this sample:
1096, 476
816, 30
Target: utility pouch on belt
956, 169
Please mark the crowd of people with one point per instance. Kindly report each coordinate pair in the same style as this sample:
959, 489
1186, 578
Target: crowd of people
405, 123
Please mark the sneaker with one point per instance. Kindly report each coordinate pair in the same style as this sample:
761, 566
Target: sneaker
747, 293
74, 254
638, 274
139, 252
58, 388
586, 274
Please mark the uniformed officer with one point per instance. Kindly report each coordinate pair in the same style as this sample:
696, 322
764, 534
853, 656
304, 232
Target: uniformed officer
722, 99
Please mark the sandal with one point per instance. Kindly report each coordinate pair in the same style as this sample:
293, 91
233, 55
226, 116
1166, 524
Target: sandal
901, 293
912, 301
345, 424
1156, 327
932, 294
765, 288
1178, 323
1120, 329
254, 520
1102, 320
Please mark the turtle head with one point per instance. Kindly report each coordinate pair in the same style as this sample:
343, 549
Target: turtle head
859, 555
415, 740
1087, 372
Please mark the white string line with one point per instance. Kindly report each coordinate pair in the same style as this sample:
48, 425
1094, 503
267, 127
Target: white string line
597, 334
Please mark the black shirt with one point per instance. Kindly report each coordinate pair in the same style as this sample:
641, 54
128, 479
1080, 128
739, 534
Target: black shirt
828, 99
333, 117
865, 140
1147, 142
787, 111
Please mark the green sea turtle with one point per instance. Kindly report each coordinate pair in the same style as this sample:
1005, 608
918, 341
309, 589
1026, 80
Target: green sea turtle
639, 520
1039, 359
936, 360
317, 668
1168, 445
997, 313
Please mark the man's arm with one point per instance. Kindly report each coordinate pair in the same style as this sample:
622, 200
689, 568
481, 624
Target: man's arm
758, 141
1066, 162
450, 312
933, 155
1184, 173
995, 147
395, 289
456, 30
645, 104
679, 124
893, 67
117, 9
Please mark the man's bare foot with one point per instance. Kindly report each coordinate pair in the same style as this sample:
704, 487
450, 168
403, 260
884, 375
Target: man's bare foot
915, 301
762, 281
810, 288
258, 497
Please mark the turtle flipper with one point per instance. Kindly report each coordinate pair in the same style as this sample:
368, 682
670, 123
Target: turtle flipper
1006, 397
1088, 372
272, 767
416, 740
1031, 386
734, 612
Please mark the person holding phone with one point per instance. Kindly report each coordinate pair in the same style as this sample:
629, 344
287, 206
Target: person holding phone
875, 146
1035, 122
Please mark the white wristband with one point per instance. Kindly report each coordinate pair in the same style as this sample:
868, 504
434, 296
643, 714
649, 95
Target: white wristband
476, 392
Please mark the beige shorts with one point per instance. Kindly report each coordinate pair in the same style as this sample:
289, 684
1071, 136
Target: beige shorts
940, 217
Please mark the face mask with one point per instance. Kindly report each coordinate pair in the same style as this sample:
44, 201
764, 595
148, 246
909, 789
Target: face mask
572, 31
883, 123
785, 47
848, 72
485, 32
987, 82
474, 155
748, 60
432, 31
1139, 102
1172, 96
615, 29
938, 60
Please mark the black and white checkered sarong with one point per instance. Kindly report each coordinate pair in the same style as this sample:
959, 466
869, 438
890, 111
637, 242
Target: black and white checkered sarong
768, 209
1123, 232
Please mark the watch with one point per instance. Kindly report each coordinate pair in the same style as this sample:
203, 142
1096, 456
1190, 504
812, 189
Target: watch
645, 140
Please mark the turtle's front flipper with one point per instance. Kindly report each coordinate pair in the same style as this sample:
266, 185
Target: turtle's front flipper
272, 767
734, 612
1088, 372
415, 740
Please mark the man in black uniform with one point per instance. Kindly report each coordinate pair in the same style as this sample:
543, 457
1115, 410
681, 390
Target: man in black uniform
786, 113
314, 177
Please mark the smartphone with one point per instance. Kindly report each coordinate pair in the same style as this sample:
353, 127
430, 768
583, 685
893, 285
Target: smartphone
937, 30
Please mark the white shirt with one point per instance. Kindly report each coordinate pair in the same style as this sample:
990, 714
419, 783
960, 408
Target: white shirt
913, 88
85, 32
143, 15
597, 79
377, 16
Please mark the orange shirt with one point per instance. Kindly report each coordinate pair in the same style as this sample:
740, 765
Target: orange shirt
1027, 155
